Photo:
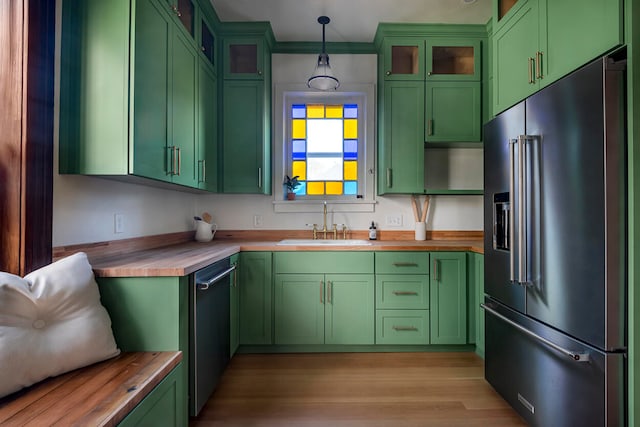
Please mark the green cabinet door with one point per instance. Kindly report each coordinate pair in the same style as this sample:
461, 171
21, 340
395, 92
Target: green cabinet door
453, 112
152, 39
184, 61
451, 59
479, 290
577, 31
403, 58
448, 288
243, 142
401, 149
234, 307
349, 309
514, 57
255, 297
207, 167
299, 301
244, 59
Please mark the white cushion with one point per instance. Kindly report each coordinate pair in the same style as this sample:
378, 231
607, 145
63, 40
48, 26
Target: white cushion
51, 322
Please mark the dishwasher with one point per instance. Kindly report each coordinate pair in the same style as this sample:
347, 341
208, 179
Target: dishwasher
208, 331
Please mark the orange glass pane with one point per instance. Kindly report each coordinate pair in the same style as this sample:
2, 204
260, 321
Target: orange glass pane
350, 128
315, 188
334, 188
350, 171
334, 111
299, 129
315, 111
300, 169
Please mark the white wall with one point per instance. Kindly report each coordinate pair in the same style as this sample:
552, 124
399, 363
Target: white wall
84, 207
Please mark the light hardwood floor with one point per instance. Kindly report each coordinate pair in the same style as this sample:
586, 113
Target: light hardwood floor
356, 389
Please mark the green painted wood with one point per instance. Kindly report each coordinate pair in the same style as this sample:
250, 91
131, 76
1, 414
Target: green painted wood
401, 262
255, 65
323, 262
410, 327
401, 148
479, 289
184, 65
330, 47
299, 305
255, 282
472, 298
435, 191
349, 309
152, 41
514, 45
234, 307
386, 30
453, 111
452, 42
577, 31
402, 291
500, 22
161, 406
448, 288
390, 69
245, 162
207, 128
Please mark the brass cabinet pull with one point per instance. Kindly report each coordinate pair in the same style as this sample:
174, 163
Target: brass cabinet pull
321, 292
329, 293
435, 270
405, 328
404, 293
430, 127
174, 158
404, 264
179, 160
259, 177
530, 67
388, 177
204, 171
539, 65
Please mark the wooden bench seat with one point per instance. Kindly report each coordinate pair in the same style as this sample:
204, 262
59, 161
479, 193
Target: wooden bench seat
98, 395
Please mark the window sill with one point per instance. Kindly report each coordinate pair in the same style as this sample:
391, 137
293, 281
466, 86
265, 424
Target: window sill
303, 206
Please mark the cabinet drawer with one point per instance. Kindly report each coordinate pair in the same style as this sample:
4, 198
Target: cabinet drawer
323, 262
402, 262
402, 327
402, 291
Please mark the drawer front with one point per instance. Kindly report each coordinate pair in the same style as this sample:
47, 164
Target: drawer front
402, 291
323, 262
402, 327
402, 262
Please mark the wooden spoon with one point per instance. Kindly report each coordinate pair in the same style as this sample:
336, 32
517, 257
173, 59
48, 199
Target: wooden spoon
206, 217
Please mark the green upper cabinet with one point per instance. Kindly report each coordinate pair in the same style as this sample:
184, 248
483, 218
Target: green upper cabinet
207, 167
448, 288
403, 58
537, 42
401, 148
254, 281
208, 42
453, 59
452, 112
245, 58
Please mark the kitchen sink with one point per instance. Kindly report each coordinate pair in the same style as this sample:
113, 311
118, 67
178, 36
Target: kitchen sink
323, 242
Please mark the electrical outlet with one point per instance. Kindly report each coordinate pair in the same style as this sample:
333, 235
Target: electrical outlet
118, 223
257, 220
394, 220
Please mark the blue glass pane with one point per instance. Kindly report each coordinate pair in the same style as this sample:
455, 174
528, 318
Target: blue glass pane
350, 149
298, 111
350, 111
350, 188
298, 149
302, 188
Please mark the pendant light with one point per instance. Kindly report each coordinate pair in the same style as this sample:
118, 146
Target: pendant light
322, 78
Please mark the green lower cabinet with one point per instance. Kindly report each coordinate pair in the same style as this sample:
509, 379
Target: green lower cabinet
324, 309
255, 298
453, 111
160, 407
234, 308
448, 288
479, 289
402, 327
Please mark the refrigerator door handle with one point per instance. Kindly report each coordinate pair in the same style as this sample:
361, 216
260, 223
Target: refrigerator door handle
575, 356
522, 244
512, 213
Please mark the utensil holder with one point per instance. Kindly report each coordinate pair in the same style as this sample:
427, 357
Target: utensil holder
421, 230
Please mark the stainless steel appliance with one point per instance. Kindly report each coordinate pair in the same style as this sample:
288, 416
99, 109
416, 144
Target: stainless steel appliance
555, 250
209, 329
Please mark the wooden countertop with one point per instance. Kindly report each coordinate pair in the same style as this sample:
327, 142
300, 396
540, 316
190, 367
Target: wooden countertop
185, 258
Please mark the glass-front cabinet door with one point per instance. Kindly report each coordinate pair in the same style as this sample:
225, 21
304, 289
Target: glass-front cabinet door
244, 59
403, 59
185, 11
503, 10
453, 59
207, 42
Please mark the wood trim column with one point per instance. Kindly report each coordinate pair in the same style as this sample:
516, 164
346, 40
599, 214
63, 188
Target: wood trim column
27, 47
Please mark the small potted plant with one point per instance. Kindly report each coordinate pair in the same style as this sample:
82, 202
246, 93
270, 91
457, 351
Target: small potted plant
291, 184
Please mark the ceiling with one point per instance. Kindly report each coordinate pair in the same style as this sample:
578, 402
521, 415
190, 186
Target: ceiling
351, 20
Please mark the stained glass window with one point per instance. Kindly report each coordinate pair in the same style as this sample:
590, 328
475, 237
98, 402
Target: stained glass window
324, 149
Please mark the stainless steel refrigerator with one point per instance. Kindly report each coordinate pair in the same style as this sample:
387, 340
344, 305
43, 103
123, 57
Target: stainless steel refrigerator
555, 250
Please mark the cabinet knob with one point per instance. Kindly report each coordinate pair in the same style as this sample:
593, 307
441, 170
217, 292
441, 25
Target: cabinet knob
202, 48
388, 73
259, 72
429, 73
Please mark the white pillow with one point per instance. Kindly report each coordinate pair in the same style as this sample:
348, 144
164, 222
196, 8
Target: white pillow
51, 322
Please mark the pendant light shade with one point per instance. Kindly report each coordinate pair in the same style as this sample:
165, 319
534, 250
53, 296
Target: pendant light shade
322, 78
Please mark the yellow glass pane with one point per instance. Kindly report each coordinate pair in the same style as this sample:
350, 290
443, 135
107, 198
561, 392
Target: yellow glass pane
299, 128
334, 188
334, 111
315, 188
350, 128
300, 169
315, 111
350, 171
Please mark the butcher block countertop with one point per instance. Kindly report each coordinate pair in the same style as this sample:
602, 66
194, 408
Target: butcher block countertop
185, 257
